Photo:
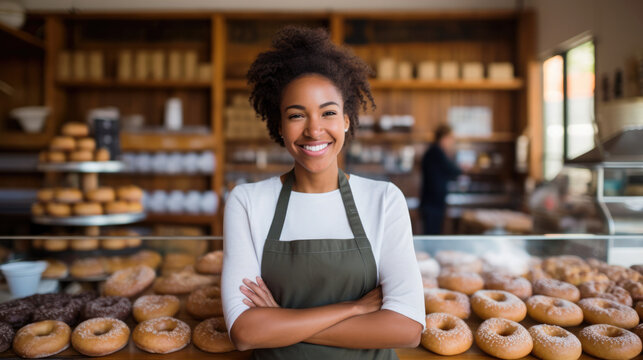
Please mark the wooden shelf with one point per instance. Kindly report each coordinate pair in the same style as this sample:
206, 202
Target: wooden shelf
24, 141
144, 84
185, 219
253, 168
166, 141
236, 84
515, 84
400, 137
23, 36
250, 140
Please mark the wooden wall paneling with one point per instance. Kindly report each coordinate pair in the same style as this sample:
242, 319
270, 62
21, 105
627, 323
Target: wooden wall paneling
218, 104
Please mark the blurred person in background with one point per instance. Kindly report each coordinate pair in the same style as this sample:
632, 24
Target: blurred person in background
438, 169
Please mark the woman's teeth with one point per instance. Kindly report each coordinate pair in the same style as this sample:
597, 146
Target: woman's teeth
319, 147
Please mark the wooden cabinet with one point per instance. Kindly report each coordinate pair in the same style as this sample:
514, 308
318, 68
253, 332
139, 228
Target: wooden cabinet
230, 41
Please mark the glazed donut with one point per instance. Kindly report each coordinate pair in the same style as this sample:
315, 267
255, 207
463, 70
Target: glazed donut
429, 283
45, 195
554, 343
113, 244
606, 290
154, 306
210, 263
56, 156
446, 334
458, 261
84, 244
38, 209
518, 286
65, 309
129, 282
87, 209
554, 311
498, 304
146, 257
211, 336
100, 336
116, 207
609, 342
604, 311
68, 195
504, 339
16, 313
81, 155
62, 143
464, 282
42, 339
182, 282
56, 269
173, 262
134, 207
556, 288
58, 210
55, 244
116, 307
102, 154
87, 144
87, 268
161, 335
101, 195
447, 301
75, 129
635, 288
205, 302
129, 193
6, 336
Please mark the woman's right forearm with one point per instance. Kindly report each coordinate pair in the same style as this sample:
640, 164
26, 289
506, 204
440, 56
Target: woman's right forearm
271, 327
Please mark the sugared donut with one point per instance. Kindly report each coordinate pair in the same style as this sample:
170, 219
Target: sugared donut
45, 195
113, 243
129, 282
464, 282
556, 288
62, 143
211, 335
116, 207
498, 304
446, 334
182, 282
638, 268
100, 336
6, 336
161, 335
87, 209
459, 261
428, 267
554, 311
603, 311
606, 290
146, 257
205, 302
56, 156
173, 262
609, 342
42, 339
81, 155
75, 129
518, 286
129, 193
65, 309
102, 154
554, 343
56, 269
101, 195
429, 283
447, 301
68, 195
154, 306
210, 263
58, 209
635, 288
55, 244
87, 268
117, 307
503, 339
84, 244
87, 144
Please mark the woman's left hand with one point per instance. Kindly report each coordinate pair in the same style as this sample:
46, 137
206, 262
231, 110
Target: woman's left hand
257, 294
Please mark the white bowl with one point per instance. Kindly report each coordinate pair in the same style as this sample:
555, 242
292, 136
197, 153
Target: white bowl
23, 277
31, 118
12, 14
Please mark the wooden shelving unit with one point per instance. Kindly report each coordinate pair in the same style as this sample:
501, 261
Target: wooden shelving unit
229, 41
181, 219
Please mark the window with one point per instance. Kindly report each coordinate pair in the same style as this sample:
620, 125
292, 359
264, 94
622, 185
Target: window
568, 106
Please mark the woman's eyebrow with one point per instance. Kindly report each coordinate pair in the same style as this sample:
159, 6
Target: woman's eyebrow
299, 107
328, 103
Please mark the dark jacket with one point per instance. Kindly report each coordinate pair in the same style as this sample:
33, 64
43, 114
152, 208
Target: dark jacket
437, 171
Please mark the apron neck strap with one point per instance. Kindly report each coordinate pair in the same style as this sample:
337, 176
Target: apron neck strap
347, 198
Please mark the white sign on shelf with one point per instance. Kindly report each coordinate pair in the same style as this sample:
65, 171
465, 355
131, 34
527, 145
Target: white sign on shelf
472, 121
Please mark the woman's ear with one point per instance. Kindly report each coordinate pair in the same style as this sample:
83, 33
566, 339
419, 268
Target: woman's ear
347, 123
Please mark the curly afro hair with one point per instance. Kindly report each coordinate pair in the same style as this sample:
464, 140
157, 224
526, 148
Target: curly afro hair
299, 51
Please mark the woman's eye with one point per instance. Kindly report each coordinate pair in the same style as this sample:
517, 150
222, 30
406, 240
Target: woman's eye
295, 116
330, 113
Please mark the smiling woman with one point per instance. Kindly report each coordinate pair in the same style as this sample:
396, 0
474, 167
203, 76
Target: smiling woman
333, 275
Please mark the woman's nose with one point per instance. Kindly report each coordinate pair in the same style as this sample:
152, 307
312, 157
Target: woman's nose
314, 126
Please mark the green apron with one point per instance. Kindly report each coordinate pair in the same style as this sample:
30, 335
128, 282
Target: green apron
311, 273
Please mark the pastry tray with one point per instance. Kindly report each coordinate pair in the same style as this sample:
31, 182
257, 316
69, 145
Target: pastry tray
85, 167
93, 220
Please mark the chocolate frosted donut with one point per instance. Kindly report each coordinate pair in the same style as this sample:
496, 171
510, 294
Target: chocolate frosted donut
37, 300
66, 310
16, 313
117, 307
86, 296
6, 336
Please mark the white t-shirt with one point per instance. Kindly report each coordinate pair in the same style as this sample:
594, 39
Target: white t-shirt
385, 217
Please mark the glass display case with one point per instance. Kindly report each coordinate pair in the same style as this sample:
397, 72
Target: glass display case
181, 257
